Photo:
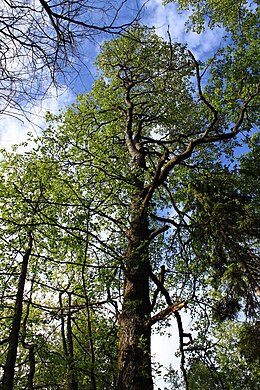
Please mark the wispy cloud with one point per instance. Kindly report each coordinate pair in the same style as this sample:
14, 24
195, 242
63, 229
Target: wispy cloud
168, 17
14, 131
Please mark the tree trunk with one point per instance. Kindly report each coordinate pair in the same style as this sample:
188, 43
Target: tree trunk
135, 334
67, 343
8, 377
93, 385
134, 354
72, 381
30, 385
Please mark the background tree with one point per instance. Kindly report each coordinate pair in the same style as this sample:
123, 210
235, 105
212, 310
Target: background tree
224, 366
222, 352
59, 311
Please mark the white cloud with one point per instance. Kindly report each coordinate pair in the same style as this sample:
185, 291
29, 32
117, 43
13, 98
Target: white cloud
14, 131
168, 18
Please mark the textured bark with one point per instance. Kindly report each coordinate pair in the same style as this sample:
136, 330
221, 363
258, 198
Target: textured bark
135, 330
134, 354
93, 385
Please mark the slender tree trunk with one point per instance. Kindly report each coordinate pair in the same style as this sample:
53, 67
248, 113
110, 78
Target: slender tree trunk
29, 347
135, 334
73, 384
67, 342
30, 385
8, 377
93, 385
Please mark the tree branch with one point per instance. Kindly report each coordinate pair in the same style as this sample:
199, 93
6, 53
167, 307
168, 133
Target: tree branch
163, 314
204, 139
156, 232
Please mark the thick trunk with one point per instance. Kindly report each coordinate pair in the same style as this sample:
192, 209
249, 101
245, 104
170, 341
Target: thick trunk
135, 334
134, 355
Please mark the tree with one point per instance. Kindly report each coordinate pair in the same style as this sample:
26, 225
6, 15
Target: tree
225, 366
118, 173
40, 42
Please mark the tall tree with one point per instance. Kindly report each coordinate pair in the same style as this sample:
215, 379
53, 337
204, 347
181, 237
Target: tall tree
225, 204
122, 199
138, 110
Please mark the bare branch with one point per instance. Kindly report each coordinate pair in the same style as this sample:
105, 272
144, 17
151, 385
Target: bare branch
41, 40
163, 314
156, 232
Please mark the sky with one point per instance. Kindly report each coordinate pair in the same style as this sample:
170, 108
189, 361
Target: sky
14, 131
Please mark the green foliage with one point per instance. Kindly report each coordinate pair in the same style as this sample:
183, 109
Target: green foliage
220, 253
223, 364
226, 365
250, 171
249, 343
223, 215
39, 195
